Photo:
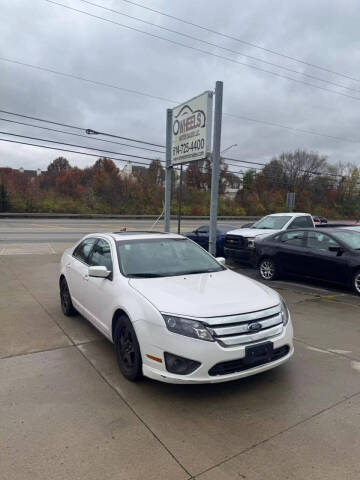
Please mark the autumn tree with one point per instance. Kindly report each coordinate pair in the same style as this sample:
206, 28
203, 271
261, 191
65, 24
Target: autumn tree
4, 198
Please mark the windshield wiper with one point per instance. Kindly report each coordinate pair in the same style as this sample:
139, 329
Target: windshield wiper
144, 275
193, 272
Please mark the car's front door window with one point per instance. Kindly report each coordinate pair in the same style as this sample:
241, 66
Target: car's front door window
101, 255
82, 251
301, 222
320, 241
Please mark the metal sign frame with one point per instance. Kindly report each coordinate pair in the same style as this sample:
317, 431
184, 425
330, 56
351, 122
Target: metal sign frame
191, 129
215, 159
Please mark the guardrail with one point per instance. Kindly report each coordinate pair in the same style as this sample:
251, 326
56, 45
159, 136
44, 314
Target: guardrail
115, 216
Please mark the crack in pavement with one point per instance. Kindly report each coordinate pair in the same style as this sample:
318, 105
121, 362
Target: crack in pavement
278, 434
73, 344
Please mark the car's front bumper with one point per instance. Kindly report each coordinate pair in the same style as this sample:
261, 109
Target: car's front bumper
244, 254
208, 354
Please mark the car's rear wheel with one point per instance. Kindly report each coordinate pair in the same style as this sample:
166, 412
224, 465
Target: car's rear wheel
356, 282
65, 298
127, 349
267, 269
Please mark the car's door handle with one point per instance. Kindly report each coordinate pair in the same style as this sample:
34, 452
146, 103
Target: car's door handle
68, 265
86, 276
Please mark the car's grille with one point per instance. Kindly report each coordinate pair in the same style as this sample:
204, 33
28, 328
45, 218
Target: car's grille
233, 366
235, 241
247, 327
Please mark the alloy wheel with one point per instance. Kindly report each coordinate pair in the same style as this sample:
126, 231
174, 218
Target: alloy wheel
267, 269
127, 348
357, 282
64, 296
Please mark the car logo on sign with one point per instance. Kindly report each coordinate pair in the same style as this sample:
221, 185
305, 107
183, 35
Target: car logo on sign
254, 327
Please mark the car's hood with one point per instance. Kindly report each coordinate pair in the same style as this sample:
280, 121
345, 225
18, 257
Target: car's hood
252, 232
206, 295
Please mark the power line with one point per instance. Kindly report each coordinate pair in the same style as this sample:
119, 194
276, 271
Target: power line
328, 174
77, 128
287, 127
80, 146
161, 27
135, 162
212, 54
244, 42
78, 77
79, 135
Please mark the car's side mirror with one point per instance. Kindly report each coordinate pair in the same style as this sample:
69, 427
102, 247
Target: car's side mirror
339, 250
99, 271
221, 260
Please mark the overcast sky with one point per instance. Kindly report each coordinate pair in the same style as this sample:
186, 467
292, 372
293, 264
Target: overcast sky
321, 32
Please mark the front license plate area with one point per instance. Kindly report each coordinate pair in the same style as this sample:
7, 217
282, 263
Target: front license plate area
258, 354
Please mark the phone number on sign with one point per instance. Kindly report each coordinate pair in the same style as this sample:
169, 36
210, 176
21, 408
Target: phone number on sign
188, 147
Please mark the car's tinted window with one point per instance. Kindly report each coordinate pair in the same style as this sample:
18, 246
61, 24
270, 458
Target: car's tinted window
101, 255
320, 241
277, 237
272, 222
301, 222
82, 251
293, 238
352, 239
203, 230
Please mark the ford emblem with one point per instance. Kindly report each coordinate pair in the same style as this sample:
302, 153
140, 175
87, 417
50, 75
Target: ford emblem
254, 327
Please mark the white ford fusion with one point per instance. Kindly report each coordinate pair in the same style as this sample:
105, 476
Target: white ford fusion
174, 312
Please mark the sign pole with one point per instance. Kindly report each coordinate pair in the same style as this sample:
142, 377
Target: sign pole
215, 171
180, 199
168, 170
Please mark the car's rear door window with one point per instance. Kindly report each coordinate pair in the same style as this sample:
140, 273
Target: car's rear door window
293, 238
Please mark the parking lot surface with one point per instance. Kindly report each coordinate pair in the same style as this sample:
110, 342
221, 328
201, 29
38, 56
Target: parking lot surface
66, 411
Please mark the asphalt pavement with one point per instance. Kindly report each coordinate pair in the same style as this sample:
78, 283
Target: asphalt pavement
66, 412
71, 230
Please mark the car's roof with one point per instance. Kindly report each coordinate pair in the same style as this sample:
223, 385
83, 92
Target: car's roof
139, 235
289, 214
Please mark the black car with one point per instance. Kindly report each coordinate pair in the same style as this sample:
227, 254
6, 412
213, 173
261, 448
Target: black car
332, 256
201, 236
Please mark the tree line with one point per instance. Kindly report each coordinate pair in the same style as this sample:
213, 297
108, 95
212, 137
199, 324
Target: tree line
321, 188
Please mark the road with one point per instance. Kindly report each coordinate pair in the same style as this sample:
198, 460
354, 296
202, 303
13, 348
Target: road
70, 230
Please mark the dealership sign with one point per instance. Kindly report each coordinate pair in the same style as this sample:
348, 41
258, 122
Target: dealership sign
191, 129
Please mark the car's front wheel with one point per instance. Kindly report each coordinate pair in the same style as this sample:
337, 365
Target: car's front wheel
65, 298
127, 349
267, 269
356, 282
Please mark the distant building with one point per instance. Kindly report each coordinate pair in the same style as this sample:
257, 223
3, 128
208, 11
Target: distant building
132, 171
31, 173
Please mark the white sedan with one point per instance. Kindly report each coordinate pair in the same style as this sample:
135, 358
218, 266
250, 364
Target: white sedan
174, 312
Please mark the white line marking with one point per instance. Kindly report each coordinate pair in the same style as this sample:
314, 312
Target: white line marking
355, 365
318, 350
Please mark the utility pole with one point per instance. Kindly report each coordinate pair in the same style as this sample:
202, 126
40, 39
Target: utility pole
215, 171
168, 171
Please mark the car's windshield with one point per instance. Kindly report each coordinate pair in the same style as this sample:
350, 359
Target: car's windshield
352, 239
272, 222
163, 258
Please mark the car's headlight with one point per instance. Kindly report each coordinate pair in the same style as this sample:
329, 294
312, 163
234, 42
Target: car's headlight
250, 242
187, 327
285, 314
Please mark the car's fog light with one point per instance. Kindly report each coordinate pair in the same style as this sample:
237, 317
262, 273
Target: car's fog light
180, 365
